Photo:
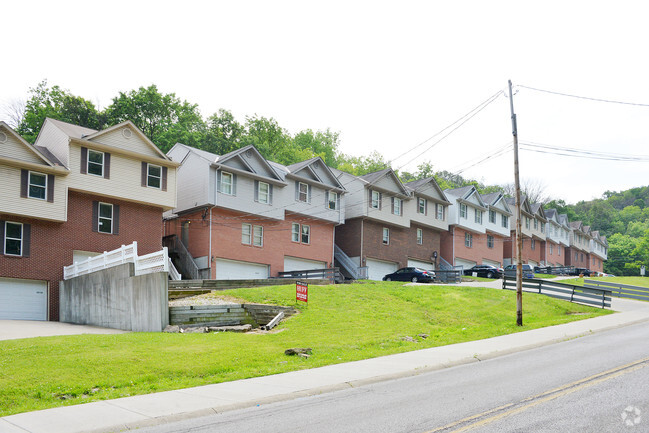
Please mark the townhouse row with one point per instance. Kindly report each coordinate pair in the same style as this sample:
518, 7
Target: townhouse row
78, 192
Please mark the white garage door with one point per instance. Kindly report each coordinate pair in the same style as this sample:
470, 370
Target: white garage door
490, 262
466, 263
427, 266
377, 269
297, 264
236, 270
532, 263
23, 299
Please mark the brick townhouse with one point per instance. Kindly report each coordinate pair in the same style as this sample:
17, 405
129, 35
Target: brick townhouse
73, 194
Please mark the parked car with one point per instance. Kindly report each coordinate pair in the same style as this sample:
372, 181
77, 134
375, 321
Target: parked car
485, 271
411, 274
580, 271
528, 271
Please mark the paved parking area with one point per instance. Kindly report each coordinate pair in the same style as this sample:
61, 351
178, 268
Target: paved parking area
14, 329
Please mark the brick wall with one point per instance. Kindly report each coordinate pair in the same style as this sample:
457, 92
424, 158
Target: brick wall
581, 261
553, 256
454, 246
52, 243
277, 242
402, 246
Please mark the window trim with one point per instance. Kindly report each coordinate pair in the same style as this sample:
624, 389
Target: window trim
299, 192
29, 185
420, 237
376, 201
386, 236
396, 206
149, 176
421, 205
111, 219
464, 211
247, 226
505, 221
308, 234
6, 238
295, 234
440, 211
478, 216
334, 200
492, 213
468, 240
259, 192
102, 165
255, 236
490, 241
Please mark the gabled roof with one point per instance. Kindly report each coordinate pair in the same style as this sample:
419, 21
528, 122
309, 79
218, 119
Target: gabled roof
494, 198
525, 205
563, 220
464, 193
238, 155
575, 225
73, 131
417, 185
373, 178
551, 213
131, 125
311, 167
537, 208
39, 152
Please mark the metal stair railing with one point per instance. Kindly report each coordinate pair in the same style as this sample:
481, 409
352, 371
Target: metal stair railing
186, 261
356, 272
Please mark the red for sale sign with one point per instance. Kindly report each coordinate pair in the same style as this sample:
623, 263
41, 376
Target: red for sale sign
301, 291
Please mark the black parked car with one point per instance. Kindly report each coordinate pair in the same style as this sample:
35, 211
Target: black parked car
580, 271
411, 274
485, 271
528, 271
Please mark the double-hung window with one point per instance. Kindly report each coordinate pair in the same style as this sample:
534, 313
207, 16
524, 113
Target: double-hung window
396, 206
263, 192
154, 176
421, 205
463, 211
303, 192
37, 186
490, 241
295, 232
332, 200
533, 245
376, 200
478, 216
492, 216
527, 223
536, 224
468, 240
306, 234
227, 181
258, 236
420, 236
505, 221
386, 236
246, 233
95, 162
13, 241
440, 211
105, 222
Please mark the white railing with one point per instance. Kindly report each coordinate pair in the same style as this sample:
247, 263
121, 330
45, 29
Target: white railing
154, 262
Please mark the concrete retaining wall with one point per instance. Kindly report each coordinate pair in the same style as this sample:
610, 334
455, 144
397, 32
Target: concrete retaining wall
226, 315
116, 298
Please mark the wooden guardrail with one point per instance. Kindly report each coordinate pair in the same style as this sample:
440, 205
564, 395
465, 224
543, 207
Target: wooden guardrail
583, 295
619, 290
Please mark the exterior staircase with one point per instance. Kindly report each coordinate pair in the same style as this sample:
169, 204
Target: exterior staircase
183, 260
350, 269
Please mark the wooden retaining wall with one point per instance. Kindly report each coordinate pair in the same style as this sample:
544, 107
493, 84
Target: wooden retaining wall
226, 315
235, 284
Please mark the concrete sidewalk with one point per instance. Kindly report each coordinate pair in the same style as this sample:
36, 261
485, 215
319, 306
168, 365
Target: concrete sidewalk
14, 329
158, 408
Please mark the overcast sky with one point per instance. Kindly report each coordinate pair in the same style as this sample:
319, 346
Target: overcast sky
386, 75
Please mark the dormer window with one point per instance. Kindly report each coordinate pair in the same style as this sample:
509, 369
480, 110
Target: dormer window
154, 176
37, 186
95, 163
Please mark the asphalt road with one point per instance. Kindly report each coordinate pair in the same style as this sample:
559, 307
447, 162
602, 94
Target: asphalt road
597, 383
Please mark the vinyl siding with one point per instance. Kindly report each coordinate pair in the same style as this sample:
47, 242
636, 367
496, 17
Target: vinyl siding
124, 182
193, 186
14, 149
244, 200
135, 143
12, 203
316, 208
56, 141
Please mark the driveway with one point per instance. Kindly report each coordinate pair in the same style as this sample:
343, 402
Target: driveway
13, 329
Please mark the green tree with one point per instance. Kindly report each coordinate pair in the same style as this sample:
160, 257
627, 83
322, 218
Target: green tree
223, 133
360, 165
56, 103
321, 143
165, 119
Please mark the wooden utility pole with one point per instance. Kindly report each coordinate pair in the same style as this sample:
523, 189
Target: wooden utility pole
519, 234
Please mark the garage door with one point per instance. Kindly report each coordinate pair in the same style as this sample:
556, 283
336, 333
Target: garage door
490, 262
532, 263
377, 269
23, 299
465, 263
297, 264
236, 270
428, 266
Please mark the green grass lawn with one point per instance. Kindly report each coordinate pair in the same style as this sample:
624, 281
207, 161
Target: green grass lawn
341, 323
545, 276
631, 281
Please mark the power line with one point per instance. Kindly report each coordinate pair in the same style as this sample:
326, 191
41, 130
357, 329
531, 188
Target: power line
579, 153
610, 101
